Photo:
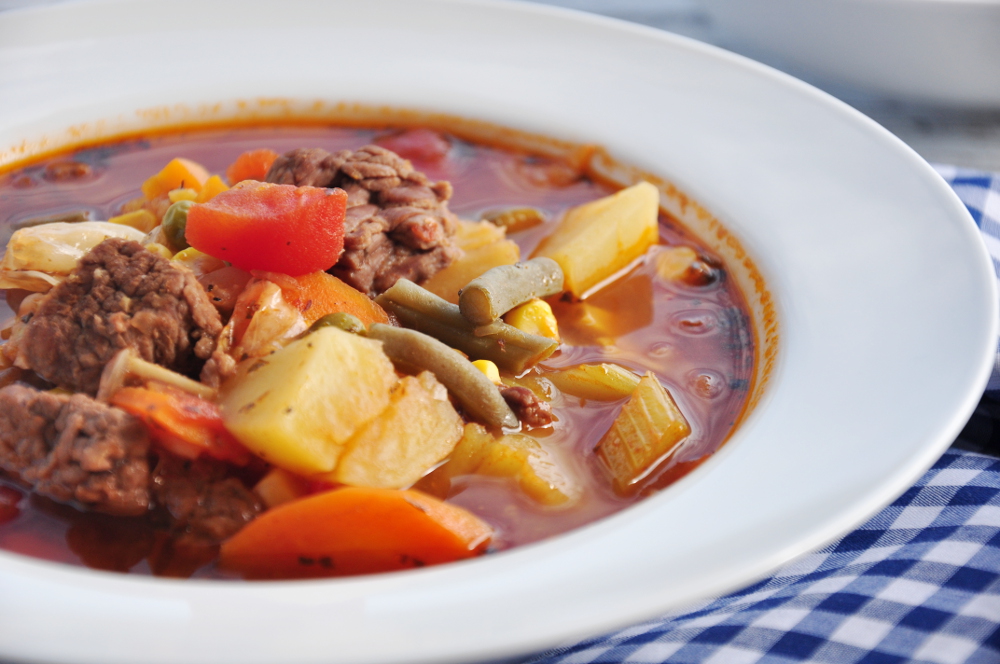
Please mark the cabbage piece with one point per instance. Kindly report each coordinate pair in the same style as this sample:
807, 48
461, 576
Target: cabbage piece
39, 257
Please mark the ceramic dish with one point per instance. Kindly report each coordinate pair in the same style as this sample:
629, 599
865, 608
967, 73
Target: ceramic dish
930, 51
883, 298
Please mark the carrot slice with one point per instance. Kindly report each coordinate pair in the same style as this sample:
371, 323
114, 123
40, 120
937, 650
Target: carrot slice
274, 227
183, 424
317, 294
251, 165
354, 530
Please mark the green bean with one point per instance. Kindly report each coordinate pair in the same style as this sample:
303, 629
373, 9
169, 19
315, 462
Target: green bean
502, 288
175, 222
508, 347
413, 352
339, 319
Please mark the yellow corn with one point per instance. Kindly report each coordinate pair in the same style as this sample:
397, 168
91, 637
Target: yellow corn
142, 220
534, 317
199, 262
489, 369
185, 194
159, 250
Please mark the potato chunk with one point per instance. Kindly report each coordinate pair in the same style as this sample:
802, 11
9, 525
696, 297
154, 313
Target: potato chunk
418, 429
597, 239
484, 246
297, 407
649, 426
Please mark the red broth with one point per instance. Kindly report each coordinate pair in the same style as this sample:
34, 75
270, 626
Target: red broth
696, 339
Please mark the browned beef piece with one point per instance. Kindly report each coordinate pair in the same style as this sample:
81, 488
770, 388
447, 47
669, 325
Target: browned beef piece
120, 296
531, 410
75, 449
203, 501
398, 223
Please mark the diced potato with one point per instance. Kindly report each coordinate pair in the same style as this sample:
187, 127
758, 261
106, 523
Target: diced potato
649, 426
596, 382
534, 317
517, 456
474, 262
297, 407
279, 486
407, 439
176, 174
597, 239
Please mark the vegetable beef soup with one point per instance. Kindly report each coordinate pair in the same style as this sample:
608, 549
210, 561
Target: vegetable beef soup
304, 351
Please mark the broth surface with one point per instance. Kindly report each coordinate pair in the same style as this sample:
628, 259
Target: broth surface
696, 339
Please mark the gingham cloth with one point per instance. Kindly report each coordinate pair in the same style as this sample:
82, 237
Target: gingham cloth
920, 582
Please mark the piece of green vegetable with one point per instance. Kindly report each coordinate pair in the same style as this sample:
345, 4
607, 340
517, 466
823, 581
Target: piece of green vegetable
505, 345
340, 319
500, 289
413, 352
175, 222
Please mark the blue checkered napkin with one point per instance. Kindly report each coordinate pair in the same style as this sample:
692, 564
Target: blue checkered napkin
981, 194
920, 582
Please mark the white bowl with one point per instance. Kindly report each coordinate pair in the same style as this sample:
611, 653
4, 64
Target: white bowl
876, 315
944, 52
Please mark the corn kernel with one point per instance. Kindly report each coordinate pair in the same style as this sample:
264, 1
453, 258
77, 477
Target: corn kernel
534, 317
159, 250
142, 220
488, 368
200, 263
185, 194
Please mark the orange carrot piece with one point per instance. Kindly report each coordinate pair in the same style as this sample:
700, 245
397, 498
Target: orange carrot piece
183, 424
317, 294
275, 227
251, 165
354, 530
177, 173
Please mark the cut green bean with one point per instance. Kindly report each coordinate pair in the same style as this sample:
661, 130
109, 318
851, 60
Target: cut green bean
341, 320
500, 289
508, 347
412, 352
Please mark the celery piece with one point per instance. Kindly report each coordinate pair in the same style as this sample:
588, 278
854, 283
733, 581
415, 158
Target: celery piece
596, 382
649, 426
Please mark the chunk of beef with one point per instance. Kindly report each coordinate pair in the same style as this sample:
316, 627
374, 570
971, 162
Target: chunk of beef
397, 224
204, 503
75, 449
531, 410
120, 296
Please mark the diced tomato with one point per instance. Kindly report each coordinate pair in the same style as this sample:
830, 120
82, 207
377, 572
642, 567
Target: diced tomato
251, 165
273, 227
423, 145
9, 500
183, 424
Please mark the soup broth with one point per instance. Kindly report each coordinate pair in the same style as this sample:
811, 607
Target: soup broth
693, 334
